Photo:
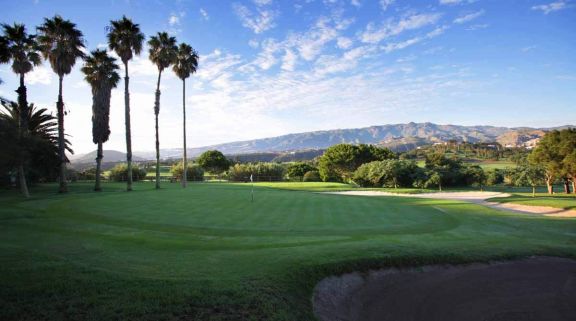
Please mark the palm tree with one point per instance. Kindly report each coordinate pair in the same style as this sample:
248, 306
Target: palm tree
61, 44
162, 53
185, 64
24, 53
101, 73
125, 38
4, 53
41, 143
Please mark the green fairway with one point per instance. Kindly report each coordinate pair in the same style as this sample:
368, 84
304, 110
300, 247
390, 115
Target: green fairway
208, 253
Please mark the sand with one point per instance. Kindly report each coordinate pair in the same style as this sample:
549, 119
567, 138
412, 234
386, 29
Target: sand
474, 197
541, 288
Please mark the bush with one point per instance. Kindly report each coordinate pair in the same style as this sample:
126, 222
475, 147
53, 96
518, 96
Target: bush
296, 171
311, 176
387, 173
87, 174
193, 172
119, 173
259, 171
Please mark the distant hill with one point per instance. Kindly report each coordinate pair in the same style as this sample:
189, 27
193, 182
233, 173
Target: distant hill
399, 137
110, 156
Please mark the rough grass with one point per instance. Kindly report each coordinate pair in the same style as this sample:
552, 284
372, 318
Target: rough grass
208, 253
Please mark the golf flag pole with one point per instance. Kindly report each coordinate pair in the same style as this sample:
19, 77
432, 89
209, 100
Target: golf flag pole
252, 191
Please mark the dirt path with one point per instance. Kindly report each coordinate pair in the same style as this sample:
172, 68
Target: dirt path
477, 198
542, 289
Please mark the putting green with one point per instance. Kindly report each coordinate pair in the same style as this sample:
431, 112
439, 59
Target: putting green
208, 252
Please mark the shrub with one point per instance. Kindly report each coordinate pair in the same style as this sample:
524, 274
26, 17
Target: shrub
387, 173
296, 171
259, 171
119, 173
311, 176
193, 171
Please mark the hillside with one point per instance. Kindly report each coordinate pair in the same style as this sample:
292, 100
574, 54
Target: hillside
110, 156
398, 137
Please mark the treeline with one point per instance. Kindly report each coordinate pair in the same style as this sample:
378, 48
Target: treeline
487, 151
60, 43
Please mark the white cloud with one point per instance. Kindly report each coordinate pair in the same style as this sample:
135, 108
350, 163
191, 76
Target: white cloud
475, 27
356, 3
258, 22
468, 17
289, 60
40, 75
551, 7
528, 48
375, 34
393, 46
262, 2
174, 20
204, 14
384, 4
450, 1
344, 42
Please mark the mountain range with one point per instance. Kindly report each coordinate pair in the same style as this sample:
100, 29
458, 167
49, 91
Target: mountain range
398, 137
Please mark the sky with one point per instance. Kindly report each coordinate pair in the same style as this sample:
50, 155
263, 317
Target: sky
274, 67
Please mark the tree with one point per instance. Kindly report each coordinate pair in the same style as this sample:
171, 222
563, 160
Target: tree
213, 161
125, 38
23, 51
298, 170
61, 44
102, 75
443, 171
195, 172
4, 52
185, 64
550, 154
390, 173
475, 175
340, 161
162, 53
529, 175
40, 145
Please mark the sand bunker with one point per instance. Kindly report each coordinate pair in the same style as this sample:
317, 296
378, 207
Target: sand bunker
474, 197
542, 289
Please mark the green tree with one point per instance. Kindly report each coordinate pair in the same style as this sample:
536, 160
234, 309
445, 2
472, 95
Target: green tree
119, 173
529, 175
340, 161
40, 145
298, 170
186, 63
61, 44
101, 72
475, 176
125, 38
23, 51
550, 155
213, 161
443, 171
162, 53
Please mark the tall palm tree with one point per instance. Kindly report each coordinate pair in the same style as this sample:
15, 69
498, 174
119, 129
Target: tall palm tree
162, 53
102, 75
24, 53
185, 64
125, 38
4, 53
61, 44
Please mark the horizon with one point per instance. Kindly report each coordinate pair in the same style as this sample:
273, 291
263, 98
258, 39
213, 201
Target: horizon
269, 69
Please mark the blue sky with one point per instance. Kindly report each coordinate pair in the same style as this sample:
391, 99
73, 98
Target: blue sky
271, 67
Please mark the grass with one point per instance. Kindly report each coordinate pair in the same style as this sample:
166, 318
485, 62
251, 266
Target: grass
208, 253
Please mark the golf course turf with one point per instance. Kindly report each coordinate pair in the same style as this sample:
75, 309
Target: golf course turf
207, 253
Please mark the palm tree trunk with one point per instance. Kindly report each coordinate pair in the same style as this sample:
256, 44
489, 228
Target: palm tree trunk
184, 160
22, 132
128, 130
99, 156
63, 188
156, 112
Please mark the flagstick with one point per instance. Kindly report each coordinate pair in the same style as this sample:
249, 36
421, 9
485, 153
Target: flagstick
252, 191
